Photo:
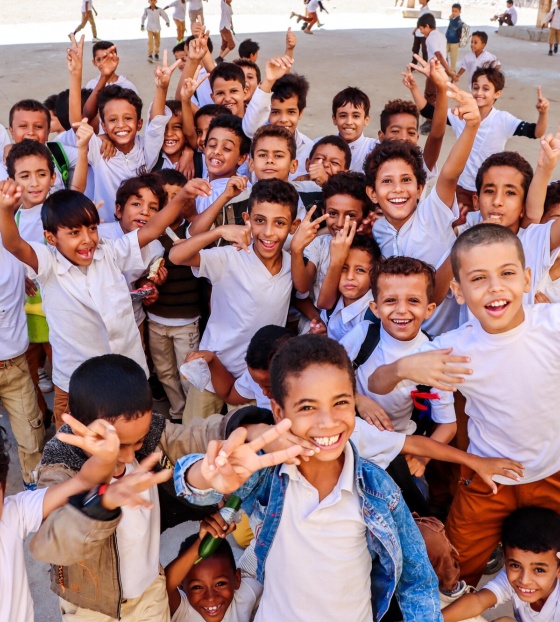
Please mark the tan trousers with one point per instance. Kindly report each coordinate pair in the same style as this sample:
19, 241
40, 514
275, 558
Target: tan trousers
20, 400
36, 355
151, 606
194, 14
60, 406
554, 36
453, 54
153, 42
87, 17
180, 29
201, 404
169, 346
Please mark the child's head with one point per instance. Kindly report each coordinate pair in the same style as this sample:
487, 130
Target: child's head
138, 199
249, 49
125, 401
262, 347
355, 278
350, 113
344, 195
226, 146
172, 181
479, 40
313, 385
502, 183
70, 222
399, 121
551, 202
426, 23
455, 10
487, 85
120, 112
229, 88
202, 118
403, 290
174, 139
490, 276
531, 541
99, 52
273, 153
509, 3
50, 104
395, 179
180, 54
30, 164
31, 119
252, 75
289, 99
212, 582
62, 111
333, 152
271, 212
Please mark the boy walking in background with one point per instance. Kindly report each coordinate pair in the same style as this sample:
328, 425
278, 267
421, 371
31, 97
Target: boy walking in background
453, 35
153, 14
419, 38
553, 18
477, 57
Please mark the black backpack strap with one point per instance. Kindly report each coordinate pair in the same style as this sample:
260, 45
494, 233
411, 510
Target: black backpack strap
399, 471
61, 161
368, 346
198, 168
159, 164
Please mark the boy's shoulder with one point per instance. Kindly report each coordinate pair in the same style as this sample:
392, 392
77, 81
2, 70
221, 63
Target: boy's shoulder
23, 512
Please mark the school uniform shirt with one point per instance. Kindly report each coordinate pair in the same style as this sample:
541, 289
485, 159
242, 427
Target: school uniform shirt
249, 389
522, 611
360, 149
179, 10
203, 93
304, 145
312, 6
471, 62
343, 319
331, 531
13, 322
225, 18
195, 5
218, 187
491, 137
398, 404
153, 18
89, 312
69, 142
511, 398
29, 223
121, 81
318, 252
554, 18
245, 297
436, 42
4, 138
21, 515
240, 610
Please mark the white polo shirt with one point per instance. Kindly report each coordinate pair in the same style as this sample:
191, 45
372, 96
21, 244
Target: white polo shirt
360, 149
471, 62
120, 81
29, 223
436, 42
13, 322
343, 319
249, 389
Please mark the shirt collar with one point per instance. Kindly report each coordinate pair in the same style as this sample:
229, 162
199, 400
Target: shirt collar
356, 308
64, 265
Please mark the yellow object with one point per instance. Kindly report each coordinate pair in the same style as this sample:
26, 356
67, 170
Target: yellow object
243, 534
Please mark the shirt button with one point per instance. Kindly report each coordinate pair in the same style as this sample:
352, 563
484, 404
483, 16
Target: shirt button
308, 495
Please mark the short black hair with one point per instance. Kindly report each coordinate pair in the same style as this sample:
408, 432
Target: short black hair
171, 176
245, 62
483, 36
397, 106
69, 209
223, 550
175, 106
532, 529
456, 5
274, 191
25, 148
395, 150
299, 353
101, 45
131, 187
367, 244
62, 106
190, 38
29, 105
404, 266
264, 345
552, 195
108, 387
350, 184
247, 48
351, 95
275, 131
4, 459
211, 110
114, 91
511, 159
234, 124
180, 47
289, 85
483, 234
229, 72
337, 142
50, 102
496, 77
427, 20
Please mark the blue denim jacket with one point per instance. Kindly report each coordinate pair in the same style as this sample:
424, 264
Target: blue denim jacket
400, 564
453, 34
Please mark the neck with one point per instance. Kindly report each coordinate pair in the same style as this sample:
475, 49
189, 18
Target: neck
272, 264
485, 111
126, 148
26, 205
175, 157
321, 475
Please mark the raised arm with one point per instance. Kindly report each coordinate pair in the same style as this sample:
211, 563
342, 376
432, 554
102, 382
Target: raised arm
410, 82
187, 90
107, 68
196, 51
291, 42
542, 107
84, 132
162, 77
10, 194
302, 274
222, 380
432, 148
74, 58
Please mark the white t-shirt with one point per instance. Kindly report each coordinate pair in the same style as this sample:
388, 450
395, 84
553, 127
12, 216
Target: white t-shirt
89, 313
245, 297
436, 42
225, 18
248, 388
13, 322
512, 11
312, 6
29, 224
204, 91
154, 17
218, 186
511, 398
554, 18
4, 139
21, 515
240, 610
195, 5
179, 8
471, 62
360, 149
304, 145
502, 590
491, 137
121, 81
343, 319
318, 252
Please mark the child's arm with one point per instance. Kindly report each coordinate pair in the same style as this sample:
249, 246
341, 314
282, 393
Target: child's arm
84, 132
306, 307
542, 107
469, 606
467, 110
164, 15
10, 194
410, 82
74, 57
144, 18
196, 51
291, 42
443, 433
444, 64
459, 74
303, 275
163, 76
188, 89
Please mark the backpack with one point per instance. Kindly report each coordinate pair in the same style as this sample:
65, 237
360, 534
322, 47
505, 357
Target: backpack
61, 161
465, 35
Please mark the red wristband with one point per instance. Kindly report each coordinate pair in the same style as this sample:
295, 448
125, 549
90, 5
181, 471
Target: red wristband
102, 488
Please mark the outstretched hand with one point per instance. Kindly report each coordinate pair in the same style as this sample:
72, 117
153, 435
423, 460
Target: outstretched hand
466, 108
75, 55
163, 73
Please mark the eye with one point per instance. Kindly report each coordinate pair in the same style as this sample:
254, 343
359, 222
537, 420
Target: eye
222, 584
154, 208
259, 220
279, 223
93, 228
332, 214
361, 270
477, 278
407, 180
413, 300
343, 402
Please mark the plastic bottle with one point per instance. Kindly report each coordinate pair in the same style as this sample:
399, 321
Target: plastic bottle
209, 544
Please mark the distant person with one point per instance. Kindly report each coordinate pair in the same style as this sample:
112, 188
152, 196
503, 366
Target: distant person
196, 12
419, 38
179, 13
153, 14
477, 57
311, 18
553, 18
453, 36
226, 30
508, 17
87, 16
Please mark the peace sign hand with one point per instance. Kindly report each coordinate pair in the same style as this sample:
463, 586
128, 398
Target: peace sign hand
163, 73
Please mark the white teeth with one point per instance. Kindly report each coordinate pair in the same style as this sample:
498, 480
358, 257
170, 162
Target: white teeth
401, 321
326, 441
398, 201
212, 609
497, 303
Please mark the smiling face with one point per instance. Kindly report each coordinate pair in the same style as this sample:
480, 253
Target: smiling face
355, 279
77, 244
33, 176
210, 587
340, 206
231, 94
29, 124
121, 124
222, 153
181, 56
285, 113
484, 92
251, 82
174, 139
202, 125
402, 304
492, 284
477, 46
396, 191
332, 158
533, 576
401, 126
271, 159
271, 223
131, 433
350, 121
137, 210
502, 197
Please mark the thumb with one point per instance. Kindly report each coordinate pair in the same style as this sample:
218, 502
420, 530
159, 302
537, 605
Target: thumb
289, 29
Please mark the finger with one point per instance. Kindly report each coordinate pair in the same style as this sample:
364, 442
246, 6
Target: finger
278, 457
302, 442
539, 92
176, 64
489, 482
73, 40
270, 435
319, 220
149, 462
77, 426
422, 62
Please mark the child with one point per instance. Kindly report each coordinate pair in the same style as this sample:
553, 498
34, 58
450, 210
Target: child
196, 12
82, 277
250, 289
87, 16
478, 57
153, 14
453, 35
252, 76
531, 541
179, 11
213, 588
508, 17
553, 18
504, 361
419, 38
100, 51
249, 50
226, 30
174, 146
548, 285
299, 535
311, 18
199, 131
56, 127
328, 156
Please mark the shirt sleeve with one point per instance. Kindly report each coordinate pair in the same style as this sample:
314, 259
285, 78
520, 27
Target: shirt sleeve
500, 587
127, 253
153, 137
257, 112
435, 215
45, 259
443, 410
381, 447
29, 508
243, 386
312, 252
213, 263
184, 611
94, 151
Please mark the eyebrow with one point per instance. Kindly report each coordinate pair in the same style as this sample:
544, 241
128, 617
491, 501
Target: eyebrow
506, 265
539, 564
312, 400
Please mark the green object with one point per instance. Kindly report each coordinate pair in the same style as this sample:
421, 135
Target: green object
209, 544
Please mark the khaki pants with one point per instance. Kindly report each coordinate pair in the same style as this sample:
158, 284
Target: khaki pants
151, 606
554, 36
169, 345
87, 17
20, 400
201, 404
180, 29
194, 14
60, 406
36, 356
153, 42
452, 54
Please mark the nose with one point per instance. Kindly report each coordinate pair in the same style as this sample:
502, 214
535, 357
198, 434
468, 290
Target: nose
495, 284
268, 229
498, 198
126, 455
325, 418
401, 306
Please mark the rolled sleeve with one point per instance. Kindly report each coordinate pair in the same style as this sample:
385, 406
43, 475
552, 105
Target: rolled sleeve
257, 112
190, 493
153, 137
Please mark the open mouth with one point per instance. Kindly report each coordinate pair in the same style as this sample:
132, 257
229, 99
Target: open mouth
122, 133
525, 591
497, 307
140, 223
401, 322
215, 162
398, 202
171, 143
85, 253
212, 611
268, 245
327, 441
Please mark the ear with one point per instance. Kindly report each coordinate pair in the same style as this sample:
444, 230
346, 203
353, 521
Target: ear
50, 238
213, 98
430, 310
251, 165
276, 411
420, 191
53, 179
475, 203
237, 582
295, 225
334, 119
370, 191
118, 211
374, 309
294, 165
381, 136
242, 159
457, 292
498, 94
301, 114
139, 124
246, 90
246, 217
366, 121
527, 285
